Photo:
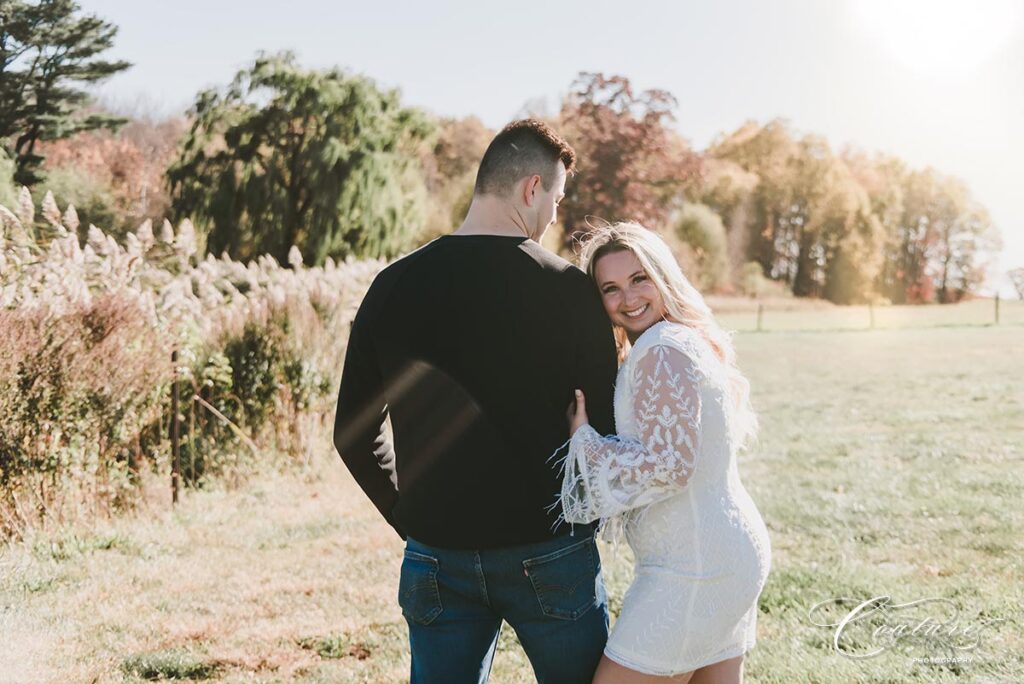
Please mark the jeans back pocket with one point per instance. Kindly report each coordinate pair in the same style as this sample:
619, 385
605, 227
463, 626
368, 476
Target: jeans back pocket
418, 594
565, 580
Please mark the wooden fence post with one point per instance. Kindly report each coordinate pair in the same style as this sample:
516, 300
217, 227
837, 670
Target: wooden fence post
175, 432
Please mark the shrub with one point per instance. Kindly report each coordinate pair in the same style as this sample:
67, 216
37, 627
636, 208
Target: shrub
699, 227
169, 664
753, 283
92, 198
8, 196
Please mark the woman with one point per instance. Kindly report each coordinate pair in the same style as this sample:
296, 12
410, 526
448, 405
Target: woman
669, 479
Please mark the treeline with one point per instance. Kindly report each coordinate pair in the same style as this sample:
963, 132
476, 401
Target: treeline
847, 226
330, 162
766, 203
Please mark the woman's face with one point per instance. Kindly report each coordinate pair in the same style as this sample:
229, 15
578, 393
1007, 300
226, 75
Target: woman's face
629, 295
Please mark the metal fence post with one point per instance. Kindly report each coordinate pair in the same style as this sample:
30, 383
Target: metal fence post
175, 432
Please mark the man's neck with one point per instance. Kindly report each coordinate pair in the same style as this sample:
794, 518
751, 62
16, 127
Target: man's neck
491, 217
491, 229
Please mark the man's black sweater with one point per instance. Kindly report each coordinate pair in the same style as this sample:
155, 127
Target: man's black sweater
473, 346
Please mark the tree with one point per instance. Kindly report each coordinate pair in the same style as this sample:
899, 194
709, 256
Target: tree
939, 243
125, 170
450, 167
965, 241
47, 50
807, 221
751, 187
848, 249
323, 160
728, 190
459, 146
851, 238
885, 180
912, 248
631, 165
1017, 278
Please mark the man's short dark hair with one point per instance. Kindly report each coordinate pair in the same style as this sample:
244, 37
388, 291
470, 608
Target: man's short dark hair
523, 148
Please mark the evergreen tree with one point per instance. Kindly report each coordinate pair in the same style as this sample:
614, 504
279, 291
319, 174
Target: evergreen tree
49, 49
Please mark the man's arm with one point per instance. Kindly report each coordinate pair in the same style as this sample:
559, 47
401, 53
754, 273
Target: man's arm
596, 359
359, 434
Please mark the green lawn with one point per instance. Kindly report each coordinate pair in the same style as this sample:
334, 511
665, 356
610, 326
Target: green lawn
890, 463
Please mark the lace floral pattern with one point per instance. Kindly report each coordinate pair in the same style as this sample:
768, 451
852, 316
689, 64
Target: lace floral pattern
606, 476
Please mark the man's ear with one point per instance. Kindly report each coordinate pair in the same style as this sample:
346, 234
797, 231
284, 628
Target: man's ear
530, 189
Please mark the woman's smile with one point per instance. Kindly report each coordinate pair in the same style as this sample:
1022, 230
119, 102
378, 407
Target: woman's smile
630, 297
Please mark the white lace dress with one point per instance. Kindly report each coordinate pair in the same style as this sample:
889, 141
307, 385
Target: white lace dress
670, 478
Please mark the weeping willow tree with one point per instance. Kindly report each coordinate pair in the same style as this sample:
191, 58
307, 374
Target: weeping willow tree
284, 156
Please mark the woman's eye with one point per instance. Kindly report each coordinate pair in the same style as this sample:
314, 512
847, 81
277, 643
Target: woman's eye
610, 290
640, 279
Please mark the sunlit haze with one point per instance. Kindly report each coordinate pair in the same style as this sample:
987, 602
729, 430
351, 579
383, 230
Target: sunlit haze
936, 82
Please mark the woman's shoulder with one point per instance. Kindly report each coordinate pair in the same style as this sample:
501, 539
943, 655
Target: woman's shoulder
663, 337
670, 334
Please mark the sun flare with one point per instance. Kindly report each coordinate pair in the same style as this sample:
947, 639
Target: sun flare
939, 38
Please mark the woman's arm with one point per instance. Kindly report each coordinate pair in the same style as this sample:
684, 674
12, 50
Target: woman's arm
605, 476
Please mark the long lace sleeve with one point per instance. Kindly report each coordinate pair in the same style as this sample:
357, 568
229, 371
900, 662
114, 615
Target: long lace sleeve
605, 476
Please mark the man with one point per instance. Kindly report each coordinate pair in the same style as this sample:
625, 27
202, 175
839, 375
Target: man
473, 345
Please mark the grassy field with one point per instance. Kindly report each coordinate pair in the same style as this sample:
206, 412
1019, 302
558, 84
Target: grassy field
890, 463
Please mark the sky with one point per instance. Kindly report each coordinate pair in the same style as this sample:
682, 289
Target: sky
936, 82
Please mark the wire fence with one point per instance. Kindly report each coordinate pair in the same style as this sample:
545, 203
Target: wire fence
779, 315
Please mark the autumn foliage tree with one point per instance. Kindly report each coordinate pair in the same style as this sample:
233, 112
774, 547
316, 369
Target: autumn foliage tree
966, 242
114, 180
806, 220
631, 163
939, 240
846, 227
450, 166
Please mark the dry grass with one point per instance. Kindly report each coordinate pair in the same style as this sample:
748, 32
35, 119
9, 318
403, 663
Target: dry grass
890, 463
245, 581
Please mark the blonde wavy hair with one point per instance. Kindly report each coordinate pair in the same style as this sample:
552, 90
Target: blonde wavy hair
683, 304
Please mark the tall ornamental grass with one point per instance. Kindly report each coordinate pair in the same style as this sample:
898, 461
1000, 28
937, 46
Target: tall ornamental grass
87, 330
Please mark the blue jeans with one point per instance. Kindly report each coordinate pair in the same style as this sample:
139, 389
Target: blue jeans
551, 593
